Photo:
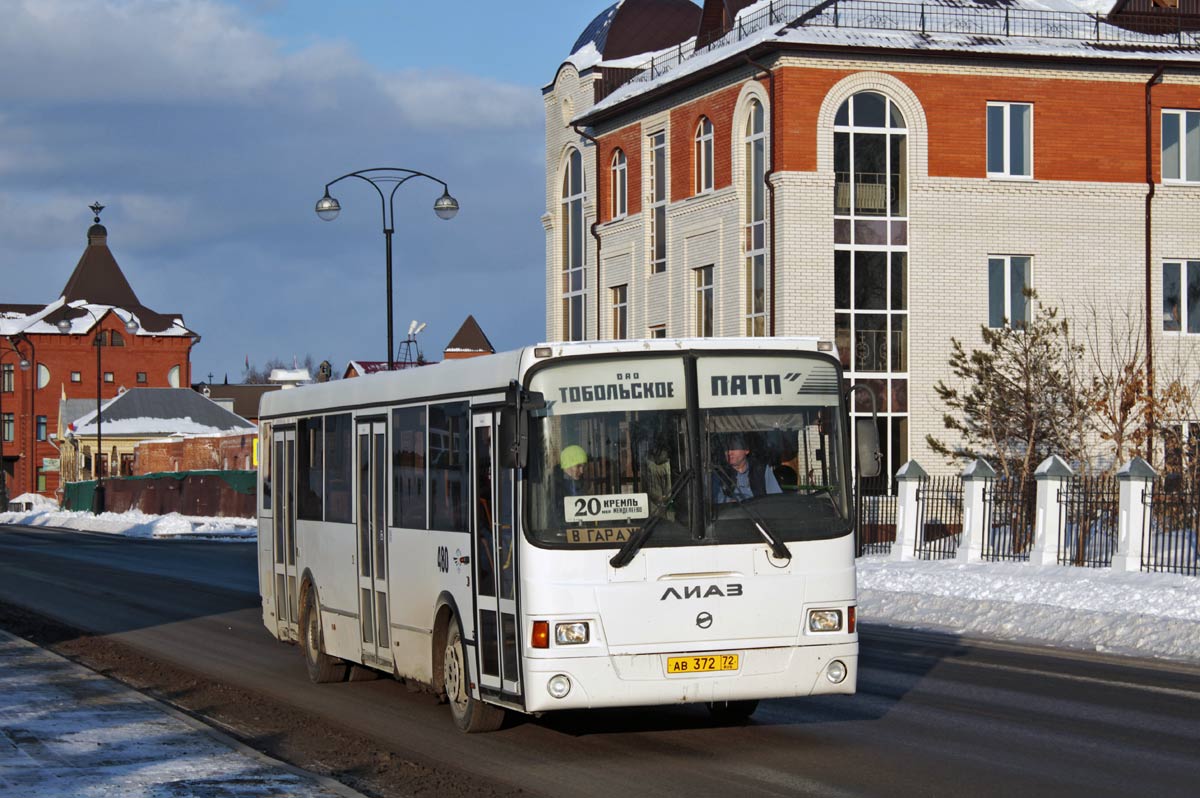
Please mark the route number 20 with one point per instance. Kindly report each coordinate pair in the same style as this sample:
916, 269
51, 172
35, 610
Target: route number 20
587, 507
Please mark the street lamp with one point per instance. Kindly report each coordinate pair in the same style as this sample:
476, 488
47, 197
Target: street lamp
24, 365
446, 207
64, 326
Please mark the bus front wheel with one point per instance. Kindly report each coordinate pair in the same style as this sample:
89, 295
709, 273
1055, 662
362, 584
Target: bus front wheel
470, 714
322, 668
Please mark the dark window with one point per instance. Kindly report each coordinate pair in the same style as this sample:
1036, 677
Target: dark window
310, 469
116, 339
41, 428
264, 464
339, 450
449, 468
7, 377
408, 467
8, 422
141, 377
126, 459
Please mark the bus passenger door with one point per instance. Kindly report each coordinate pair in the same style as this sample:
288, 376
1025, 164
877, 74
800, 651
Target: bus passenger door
372, 542
495, 564
287, 609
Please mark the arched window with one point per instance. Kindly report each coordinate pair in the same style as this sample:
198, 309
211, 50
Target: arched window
704, 156
870, 206
755, 160
620, 185
115, 338
173, 377
571, 225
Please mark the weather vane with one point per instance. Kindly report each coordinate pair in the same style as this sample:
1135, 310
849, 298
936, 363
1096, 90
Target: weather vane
95, 208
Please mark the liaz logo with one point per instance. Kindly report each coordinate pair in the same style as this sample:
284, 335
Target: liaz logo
699, 591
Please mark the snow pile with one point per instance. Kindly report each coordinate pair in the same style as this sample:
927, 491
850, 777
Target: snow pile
36, 500
1095, 609
136, 524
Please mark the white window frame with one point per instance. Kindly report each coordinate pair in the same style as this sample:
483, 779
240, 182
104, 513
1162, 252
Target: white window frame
703, 152
658, 331
657, 142
76, 376
1008, 314
620, 311
754, 138
1182, 114
705, 300
1006, 173
574, 273
1182, 266
620, 184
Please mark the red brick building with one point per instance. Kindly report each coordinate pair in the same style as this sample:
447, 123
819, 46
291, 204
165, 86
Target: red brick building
47, 354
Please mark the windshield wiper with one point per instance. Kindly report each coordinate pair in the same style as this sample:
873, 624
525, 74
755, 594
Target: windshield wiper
778, 547
638, 539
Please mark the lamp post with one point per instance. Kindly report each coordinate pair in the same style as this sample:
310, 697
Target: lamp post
444, 206
24, 364
64, 326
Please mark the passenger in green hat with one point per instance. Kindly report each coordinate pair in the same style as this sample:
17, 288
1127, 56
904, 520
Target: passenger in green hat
572, 460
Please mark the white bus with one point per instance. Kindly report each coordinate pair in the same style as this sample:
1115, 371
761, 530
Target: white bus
570, 525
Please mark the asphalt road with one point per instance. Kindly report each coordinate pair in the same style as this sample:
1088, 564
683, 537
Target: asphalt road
934, 715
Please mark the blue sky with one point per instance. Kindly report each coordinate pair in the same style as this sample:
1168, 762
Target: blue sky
209, 129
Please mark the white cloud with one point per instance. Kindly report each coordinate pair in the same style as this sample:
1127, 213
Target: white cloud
207, 52
455, 100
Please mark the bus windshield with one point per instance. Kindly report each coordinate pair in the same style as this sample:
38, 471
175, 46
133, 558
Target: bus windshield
618, 444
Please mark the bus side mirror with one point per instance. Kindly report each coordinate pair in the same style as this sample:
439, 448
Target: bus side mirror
514, 424
867, 449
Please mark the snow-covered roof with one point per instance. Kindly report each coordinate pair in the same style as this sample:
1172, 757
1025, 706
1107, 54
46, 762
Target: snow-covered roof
1039, 28
82, 317
156, 412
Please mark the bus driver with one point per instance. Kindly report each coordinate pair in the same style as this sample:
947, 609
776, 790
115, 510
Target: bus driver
749, 478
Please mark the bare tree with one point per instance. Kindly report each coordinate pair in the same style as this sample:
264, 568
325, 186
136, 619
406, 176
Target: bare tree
253, 375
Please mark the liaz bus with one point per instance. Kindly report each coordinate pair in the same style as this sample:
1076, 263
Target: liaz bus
570, 525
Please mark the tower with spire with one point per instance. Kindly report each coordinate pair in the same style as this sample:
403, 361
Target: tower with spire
51, 362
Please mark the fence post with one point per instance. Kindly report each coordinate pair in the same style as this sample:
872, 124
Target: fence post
908, 479
976, 477
1134, 477
1050, 476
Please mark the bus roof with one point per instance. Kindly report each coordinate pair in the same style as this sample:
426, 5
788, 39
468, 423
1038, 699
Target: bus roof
488, 373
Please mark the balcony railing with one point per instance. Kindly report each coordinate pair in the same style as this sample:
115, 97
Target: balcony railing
987, 26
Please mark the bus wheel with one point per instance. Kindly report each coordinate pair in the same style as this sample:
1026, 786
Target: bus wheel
322, 668
732, 711
470, 714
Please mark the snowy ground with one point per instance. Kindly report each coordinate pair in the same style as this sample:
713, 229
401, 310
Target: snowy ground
1091, 609
132, 524
67, 731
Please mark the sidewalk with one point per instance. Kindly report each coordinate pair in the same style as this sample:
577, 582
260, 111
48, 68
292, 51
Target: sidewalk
66, 731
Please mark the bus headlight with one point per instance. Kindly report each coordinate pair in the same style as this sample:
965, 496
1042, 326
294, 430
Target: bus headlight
573, 633
558, 686
824, 620
835, 672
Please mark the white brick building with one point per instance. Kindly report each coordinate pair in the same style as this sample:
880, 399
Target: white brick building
916, 165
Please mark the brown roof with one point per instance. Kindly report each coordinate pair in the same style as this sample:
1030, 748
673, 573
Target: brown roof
717, 19
640, 26
98, 280
470, 338
245, 397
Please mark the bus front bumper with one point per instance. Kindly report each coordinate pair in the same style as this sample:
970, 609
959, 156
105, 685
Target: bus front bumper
624, 680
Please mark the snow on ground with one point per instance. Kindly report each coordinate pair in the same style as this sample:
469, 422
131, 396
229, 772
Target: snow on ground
1093, 609
133, 523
